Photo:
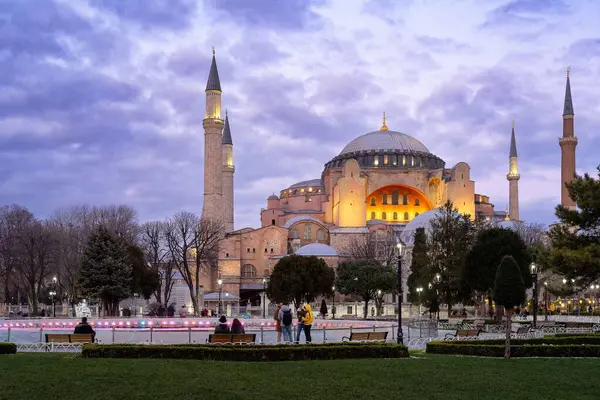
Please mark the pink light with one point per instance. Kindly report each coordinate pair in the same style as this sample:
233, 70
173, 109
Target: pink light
128, 323
114, 323
150, 323
172, 323
49, 323
106, 323
30, 324
120, 323
186, 323
193, 322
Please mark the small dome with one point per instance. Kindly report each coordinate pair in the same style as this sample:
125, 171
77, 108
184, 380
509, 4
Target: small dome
309, 183
421, 221
273, 197
317, 249
385, 140
507, 224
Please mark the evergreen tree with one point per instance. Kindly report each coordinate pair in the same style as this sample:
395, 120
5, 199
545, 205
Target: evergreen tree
450, 239
575, 241
365, 278
323, 309
419, 266
144, 280
300, 279
509, 292
106, 270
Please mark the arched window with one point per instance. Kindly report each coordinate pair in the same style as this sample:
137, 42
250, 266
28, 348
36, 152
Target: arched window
417, 203
405, 199
395, 216
403, 160
307, 232
272, 222
373, 201
293, 234
320, 235
395, 197
372, 214
271, 250
406, 216
254, 250
248, 250
384, 199
383, 215
265, 249
248, 271
385, 159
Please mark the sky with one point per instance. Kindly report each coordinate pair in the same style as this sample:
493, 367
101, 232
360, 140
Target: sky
102, 101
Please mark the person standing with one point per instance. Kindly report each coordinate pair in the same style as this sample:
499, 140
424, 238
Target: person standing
307, 321
286, 319
277, 322
300, 327
183, 313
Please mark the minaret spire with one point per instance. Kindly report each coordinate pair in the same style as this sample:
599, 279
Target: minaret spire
227, 131
513, 177
568, 143
213, 82
384, 126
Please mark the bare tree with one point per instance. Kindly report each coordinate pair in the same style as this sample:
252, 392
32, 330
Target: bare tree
194, 245
379, 245
154, 243
533, 234
119, 220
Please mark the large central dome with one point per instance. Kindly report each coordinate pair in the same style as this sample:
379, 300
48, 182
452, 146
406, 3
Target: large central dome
385, 140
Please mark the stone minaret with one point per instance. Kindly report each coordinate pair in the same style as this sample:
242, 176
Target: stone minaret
228, 170
213, 128
567, 143
513, 177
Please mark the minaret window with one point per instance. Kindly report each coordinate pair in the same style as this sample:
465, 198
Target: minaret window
406, 216
272, 222
394, 197
405, 199
373, 201
395, 216
385, 199
372, 214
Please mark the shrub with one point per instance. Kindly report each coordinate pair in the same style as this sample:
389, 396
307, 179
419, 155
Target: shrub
8, 348
248, 352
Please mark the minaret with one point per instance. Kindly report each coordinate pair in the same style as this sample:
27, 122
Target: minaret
567, 143
213, 128
513, 177
228, 170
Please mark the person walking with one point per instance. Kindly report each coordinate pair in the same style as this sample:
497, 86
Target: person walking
307, 321
300, 326
277, 322
286, 320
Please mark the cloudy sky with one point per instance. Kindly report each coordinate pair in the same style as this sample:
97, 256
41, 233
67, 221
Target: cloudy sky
101, 101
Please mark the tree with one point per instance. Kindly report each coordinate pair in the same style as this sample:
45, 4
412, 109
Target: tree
509, 292
300, 279
194, 248
419, 266
323, 309
575, 252
379, 245
144, 280
365, 278
153, 241
450, 238
490, 247
106, 270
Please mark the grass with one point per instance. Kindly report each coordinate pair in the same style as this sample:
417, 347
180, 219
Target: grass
424, 377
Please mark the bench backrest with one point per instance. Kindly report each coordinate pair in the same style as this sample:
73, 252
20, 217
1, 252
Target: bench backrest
230, 338
219, 338
57, 338
69, 338
378, 335
243, 338
82, 338
522, 329
467, 332
360, 335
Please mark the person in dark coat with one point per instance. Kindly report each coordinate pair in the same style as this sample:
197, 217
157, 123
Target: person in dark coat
84, 328
237, 328
222, 327
170, 311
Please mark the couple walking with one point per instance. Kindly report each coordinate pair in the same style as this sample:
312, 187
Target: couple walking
284, 323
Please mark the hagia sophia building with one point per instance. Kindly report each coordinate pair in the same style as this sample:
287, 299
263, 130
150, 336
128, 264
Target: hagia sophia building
382, 179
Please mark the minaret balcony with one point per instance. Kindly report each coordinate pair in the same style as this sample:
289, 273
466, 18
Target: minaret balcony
513, 176
569, 140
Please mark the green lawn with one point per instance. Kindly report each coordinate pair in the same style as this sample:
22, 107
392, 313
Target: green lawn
423, 377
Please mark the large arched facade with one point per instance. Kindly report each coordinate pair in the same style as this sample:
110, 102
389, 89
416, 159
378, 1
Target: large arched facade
396, 204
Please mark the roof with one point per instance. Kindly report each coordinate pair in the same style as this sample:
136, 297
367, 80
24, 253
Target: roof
311, 182
568, 108
226, 131
385, 140
225, 296
317, 249
301, 218
213, 82
273, 197
513, 143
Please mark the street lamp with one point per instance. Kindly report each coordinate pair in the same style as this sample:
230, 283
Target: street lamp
546, 300
534, 276
400, 247
264, 297
220, 283
419, 290
437, 279
52, 294
333, 307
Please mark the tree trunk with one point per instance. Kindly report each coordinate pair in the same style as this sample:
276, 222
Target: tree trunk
366, 309
508, 325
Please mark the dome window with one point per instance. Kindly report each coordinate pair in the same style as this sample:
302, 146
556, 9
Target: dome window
383, 215
417, 203
406, 216
384, 199
395, 216
373, 201
372, 214
394, 197
376, 161
385, 159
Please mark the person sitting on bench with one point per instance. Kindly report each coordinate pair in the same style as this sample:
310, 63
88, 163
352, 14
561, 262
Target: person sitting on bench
84, 328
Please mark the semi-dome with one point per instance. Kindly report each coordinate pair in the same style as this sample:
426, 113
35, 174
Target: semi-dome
385, 140
420, 221
317, 249
309, 183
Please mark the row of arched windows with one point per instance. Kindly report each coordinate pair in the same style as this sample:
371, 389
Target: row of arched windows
385, 199
307, 233
394, 215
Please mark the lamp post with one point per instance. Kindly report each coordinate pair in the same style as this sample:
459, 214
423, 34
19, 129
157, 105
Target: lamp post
264, 297
53, 293
419, 290
437, 279
546, 300
333, 306
400, 247
220, 283
534, 277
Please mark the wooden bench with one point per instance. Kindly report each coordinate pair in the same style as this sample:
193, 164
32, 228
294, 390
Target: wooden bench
69, 338
366, 336
464, 333
522, 330
231, 338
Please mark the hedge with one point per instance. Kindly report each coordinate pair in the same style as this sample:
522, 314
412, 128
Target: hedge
248, 352
548, 340
8, 348
532, 350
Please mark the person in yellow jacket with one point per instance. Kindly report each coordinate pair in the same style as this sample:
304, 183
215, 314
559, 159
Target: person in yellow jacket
307, 321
